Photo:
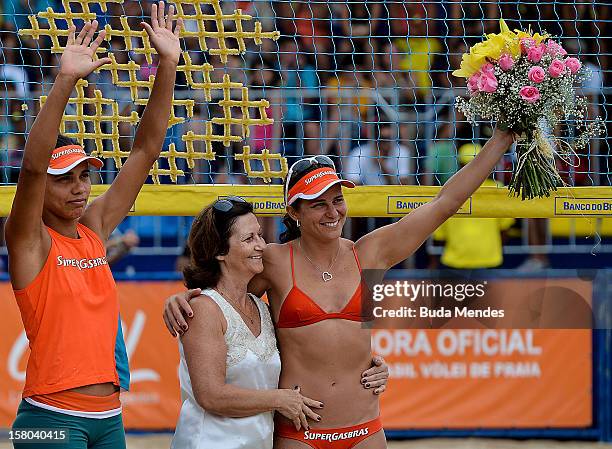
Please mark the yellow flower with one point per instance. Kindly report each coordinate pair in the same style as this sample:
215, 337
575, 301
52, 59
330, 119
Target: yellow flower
540, 37
503, 27
513, 44
523, 34
470, 64
537, 37
493, 47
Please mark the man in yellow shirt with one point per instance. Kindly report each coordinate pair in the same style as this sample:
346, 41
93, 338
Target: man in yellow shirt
472, 243
418, 47
419, 53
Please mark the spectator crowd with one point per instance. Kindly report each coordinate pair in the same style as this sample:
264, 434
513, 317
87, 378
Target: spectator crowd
366, 82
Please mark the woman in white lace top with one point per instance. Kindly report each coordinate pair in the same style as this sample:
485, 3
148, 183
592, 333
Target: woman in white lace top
230, 364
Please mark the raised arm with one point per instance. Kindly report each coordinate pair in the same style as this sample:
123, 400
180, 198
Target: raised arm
24, 227
108, 210
206, 353
394, 243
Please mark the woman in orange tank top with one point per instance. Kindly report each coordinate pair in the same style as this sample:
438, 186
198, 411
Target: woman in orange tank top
312, 280
56, 243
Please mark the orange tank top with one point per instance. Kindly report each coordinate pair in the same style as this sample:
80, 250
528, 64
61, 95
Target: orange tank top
70, 313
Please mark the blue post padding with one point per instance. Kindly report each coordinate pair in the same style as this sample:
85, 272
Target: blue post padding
602, 359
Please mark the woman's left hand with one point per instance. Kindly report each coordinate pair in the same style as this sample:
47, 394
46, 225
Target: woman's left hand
163, 34
377, 376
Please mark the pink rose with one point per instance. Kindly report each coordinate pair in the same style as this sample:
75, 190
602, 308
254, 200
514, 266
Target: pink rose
536, 74
487, 68
573, 65
535, 53
553, 48
506, 62
530, 94
487, 83
472, 83
556, 68
526, 44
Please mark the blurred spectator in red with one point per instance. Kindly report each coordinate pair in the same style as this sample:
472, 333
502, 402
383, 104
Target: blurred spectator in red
313, 26
313, 33
362, 18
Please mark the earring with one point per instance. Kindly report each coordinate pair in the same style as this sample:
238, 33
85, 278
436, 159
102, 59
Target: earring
298, 223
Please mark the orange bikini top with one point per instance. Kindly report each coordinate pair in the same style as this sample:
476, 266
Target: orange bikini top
299, 309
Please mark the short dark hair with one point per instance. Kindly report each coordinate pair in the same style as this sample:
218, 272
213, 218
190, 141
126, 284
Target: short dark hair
208, 238
63, 141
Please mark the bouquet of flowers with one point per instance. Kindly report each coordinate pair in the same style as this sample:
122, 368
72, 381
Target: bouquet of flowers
526, 82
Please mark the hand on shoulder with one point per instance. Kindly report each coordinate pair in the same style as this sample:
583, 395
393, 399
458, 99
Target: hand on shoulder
206, 314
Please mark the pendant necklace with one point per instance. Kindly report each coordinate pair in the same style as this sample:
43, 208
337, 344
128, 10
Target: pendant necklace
325, 275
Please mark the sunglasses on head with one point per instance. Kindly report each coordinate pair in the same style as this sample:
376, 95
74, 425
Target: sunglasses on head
302, 165
226, 204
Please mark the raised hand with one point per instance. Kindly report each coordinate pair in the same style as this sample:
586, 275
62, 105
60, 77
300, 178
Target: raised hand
77, 60
163, 38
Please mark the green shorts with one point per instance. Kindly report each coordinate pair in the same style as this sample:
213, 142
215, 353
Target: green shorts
82, 433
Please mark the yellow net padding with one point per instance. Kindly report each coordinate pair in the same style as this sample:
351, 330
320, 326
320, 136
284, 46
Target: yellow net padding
364, 201
239, 111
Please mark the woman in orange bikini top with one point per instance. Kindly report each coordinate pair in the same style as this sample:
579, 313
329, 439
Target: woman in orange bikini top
298, 309
313, 280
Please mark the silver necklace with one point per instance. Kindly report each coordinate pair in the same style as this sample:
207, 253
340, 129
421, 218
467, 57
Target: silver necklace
235, 304
326, 275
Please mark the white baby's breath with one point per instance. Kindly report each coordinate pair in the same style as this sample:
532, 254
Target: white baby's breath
558, 103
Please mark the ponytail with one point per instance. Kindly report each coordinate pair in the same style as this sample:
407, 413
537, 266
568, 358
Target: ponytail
292, 230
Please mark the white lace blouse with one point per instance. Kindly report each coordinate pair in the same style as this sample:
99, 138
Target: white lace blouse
253, 363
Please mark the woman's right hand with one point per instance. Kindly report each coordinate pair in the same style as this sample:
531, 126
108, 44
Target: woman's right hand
77, 61
175, 309
297, 408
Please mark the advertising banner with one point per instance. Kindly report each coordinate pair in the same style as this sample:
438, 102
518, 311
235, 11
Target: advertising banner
444, 378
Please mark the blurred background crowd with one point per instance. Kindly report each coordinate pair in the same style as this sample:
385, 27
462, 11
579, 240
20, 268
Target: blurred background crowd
366, 82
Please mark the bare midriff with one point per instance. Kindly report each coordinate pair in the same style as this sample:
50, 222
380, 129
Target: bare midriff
326, 360
105, 389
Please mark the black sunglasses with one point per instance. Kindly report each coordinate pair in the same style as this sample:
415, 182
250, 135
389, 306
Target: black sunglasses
226, 204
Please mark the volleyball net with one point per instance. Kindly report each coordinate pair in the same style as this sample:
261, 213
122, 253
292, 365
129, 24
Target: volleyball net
263, 83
